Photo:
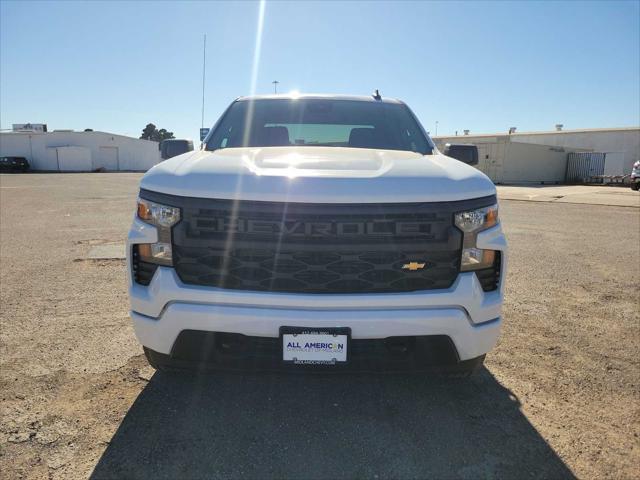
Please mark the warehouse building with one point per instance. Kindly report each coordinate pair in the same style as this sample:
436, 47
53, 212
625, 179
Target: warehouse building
66, 150
554, 157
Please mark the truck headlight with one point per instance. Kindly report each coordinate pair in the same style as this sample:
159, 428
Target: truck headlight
157, 214
471, 223
163, 217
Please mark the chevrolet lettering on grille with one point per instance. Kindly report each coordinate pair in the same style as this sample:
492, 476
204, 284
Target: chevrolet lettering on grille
313, 229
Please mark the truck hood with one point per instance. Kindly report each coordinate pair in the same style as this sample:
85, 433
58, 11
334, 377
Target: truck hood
318, 175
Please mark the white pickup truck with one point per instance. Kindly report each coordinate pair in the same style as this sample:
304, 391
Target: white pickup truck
317, 232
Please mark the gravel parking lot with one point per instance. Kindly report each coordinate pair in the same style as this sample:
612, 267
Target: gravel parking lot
559, 396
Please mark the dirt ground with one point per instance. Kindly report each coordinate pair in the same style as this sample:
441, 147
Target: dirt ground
559, 396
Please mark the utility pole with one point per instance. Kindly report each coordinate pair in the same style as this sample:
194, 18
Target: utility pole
436, 128
204, 65
275, 86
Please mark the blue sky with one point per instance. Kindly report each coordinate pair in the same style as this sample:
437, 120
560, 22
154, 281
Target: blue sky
483, 66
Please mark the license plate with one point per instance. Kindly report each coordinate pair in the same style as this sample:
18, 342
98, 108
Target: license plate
315, 346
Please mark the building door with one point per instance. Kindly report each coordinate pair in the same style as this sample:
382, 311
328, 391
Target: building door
52, 159
582, 165
107, 158
484, 157
499, 150
490, 158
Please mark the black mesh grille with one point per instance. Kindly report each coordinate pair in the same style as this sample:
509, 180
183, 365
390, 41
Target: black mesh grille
317, 248
289, 271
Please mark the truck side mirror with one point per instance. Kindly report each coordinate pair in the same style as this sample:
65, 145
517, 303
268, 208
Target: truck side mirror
172, 147
463, 152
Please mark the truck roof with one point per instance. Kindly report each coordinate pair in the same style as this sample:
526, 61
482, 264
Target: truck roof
325, 96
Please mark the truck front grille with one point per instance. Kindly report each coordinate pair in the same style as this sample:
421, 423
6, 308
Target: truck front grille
314, 272
316, 248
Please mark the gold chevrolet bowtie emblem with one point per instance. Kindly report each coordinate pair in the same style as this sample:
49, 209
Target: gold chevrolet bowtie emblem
413, 266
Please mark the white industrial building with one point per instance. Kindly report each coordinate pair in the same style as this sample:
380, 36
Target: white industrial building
547, 157
65, 150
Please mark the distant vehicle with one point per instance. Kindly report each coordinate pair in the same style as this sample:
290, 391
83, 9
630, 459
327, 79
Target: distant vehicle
14, 164
174, 147
635, 176
318, 232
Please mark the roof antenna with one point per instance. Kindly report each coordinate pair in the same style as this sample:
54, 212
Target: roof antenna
377, 95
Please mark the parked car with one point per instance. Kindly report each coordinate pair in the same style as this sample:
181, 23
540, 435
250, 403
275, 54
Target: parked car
14, 164
317, 232
635, 176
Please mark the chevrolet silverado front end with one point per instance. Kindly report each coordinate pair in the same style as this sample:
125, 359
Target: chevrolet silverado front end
317, 232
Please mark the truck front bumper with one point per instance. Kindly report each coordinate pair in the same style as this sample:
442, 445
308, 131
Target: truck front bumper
469, 317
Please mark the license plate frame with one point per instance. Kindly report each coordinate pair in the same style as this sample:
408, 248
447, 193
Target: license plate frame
321, 333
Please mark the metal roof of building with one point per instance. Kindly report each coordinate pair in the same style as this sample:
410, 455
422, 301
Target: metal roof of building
548, 132
73, 132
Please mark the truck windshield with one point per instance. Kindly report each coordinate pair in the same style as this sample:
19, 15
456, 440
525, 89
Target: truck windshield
319, 122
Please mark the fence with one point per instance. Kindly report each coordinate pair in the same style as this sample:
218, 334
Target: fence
584, 165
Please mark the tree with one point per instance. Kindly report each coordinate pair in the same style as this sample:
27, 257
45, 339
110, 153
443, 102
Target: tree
164, 135
148, 131
151, 132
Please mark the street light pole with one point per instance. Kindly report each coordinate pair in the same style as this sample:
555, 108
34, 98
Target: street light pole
204, 71
275, 86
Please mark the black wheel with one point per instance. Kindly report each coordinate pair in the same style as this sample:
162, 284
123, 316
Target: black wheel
464, 369
635, 186
160, 362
